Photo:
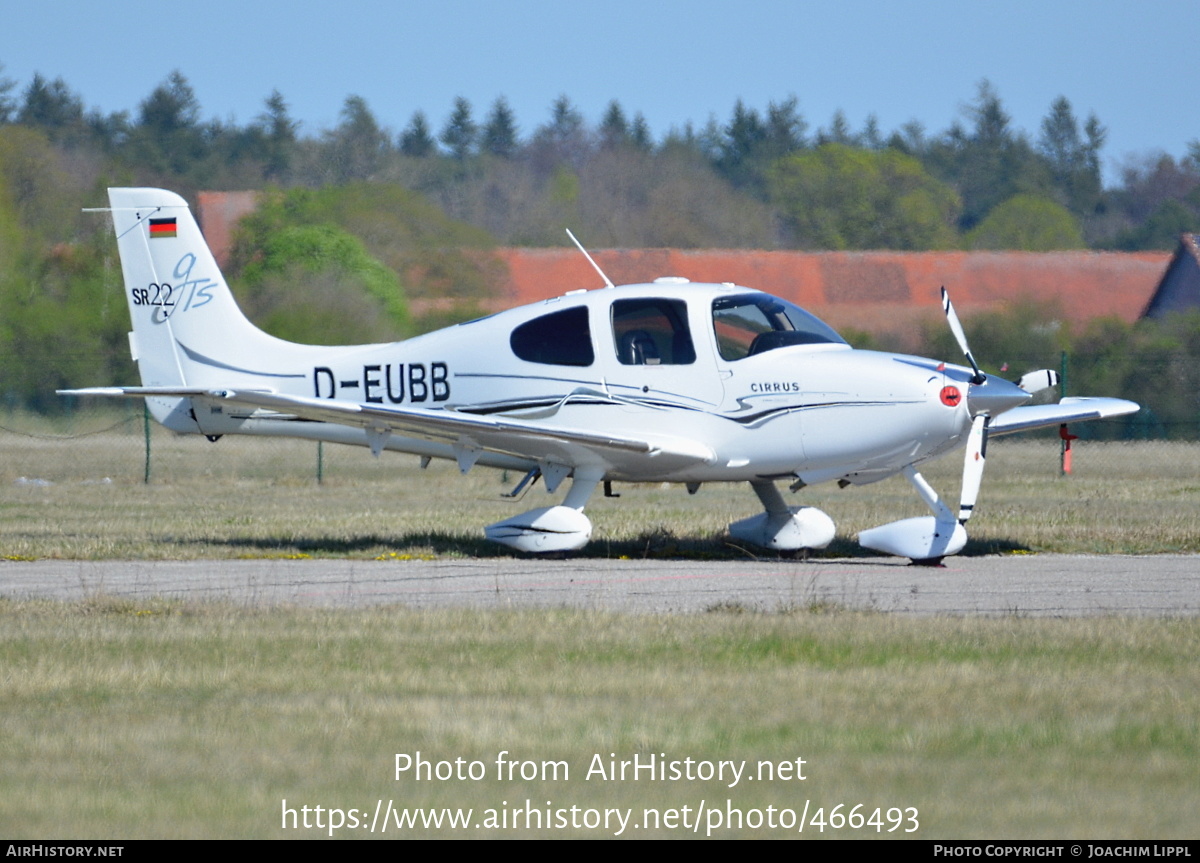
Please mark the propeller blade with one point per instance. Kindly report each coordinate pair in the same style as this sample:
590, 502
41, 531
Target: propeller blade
973, 466
960, 336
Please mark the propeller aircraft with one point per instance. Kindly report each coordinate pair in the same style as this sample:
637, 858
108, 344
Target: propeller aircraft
668, 381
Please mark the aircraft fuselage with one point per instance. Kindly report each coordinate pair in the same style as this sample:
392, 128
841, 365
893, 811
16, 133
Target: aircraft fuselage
817, 410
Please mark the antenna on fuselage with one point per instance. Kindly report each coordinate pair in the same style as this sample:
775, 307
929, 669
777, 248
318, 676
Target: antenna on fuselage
595, 266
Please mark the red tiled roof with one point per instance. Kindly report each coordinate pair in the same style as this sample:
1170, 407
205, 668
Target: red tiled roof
218, 214
874, 291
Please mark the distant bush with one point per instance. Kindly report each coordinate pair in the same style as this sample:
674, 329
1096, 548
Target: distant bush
317, 284
433, 255
1027, 223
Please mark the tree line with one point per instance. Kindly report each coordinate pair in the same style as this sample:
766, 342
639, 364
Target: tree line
391, 214
761, 178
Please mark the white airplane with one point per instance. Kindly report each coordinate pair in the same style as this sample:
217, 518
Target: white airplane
669, 381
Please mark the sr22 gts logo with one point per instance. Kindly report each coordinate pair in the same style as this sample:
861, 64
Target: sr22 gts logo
186, 293
394, 382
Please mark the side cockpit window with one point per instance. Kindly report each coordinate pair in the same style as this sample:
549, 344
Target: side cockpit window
652, 332
558, 339
751, 324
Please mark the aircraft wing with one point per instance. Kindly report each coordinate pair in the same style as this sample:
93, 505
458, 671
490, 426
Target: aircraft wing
495, 433
1068, 410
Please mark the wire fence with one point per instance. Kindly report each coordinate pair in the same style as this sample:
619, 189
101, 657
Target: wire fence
44, 437
120, 443
123, 444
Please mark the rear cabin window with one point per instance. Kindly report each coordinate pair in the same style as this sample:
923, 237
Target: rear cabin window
557, 339
751, 324
652, 332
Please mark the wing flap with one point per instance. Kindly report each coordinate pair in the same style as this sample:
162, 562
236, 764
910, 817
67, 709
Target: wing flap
494, 432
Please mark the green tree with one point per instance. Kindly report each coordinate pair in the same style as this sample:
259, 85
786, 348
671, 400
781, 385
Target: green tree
12, 234
741, 141
617, 131
500, 131
433, 255
1074, 159
909, 139
750, 143
1161, 229
1096, 135
8, 105
784, 130
871, 136
838, 132
988, 164
109, 133
317, 284
1193, 157
639, 134
41, 194
279, 132
614, 128
566, 123
1153, 362
53, 108
64, 317
633, 198
172, 107
167, 138
563, 140
356, 149
460, 132
1159, 199
416, 140
1027, 223
839, 197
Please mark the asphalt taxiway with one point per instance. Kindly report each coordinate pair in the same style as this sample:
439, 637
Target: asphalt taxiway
1026, 584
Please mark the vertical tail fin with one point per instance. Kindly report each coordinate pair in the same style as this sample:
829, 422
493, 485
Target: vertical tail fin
187, 328
178, 300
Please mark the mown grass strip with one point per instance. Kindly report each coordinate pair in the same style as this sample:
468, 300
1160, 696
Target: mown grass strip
125, 719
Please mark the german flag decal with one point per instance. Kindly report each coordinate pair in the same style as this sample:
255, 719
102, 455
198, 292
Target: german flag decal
160, 228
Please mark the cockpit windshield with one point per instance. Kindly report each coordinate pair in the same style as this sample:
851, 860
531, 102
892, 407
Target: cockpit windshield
749, 324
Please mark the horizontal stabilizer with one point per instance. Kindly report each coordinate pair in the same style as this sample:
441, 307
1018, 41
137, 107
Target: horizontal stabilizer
144, 392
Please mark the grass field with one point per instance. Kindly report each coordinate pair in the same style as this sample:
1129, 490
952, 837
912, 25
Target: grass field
84, 497
166, 719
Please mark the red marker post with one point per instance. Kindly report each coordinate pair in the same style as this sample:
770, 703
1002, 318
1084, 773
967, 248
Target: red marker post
1067, 437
